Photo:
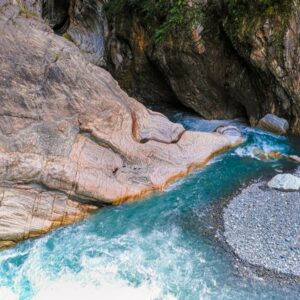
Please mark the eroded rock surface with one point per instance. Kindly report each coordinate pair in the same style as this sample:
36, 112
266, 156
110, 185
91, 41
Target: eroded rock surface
235, 59
66, 126
194, 62
240, 59
266, 35
27, 213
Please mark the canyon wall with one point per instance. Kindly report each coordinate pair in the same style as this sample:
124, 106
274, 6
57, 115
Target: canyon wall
223, 59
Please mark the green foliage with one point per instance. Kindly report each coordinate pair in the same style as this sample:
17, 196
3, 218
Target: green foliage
24, 11
164, 16
246, 17
68, 37
27, 13
238, 8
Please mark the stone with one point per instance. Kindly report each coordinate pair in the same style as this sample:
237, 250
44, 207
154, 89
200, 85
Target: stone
274, 124
295, 158
231, 131
285, 182
197, 68
71, 139
216, 67
267, 155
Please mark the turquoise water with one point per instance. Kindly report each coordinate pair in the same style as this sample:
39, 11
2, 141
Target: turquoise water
156, 248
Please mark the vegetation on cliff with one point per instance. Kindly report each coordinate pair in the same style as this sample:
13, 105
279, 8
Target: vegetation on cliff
244, 18
161, 16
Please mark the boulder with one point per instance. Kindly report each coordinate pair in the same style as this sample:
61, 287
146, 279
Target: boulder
295, 158
232, 132
285, 182
274, 124
267, 155
70, 137
229, 131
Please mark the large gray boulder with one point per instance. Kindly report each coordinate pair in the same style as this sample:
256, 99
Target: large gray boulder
274, 124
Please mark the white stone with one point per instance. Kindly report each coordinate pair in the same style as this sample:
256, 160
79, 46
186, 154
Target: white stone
285, 182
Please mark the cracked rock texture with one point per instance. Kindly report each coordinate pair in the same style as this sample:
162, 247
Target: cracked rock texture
198, 67
27, 213
70, 138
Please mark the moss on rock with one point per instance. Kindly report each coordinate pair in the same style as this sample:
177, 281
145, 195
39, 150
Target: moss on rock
245, 18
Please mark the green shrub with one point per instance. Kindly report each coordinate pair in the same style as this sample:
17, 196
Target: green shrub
164, 16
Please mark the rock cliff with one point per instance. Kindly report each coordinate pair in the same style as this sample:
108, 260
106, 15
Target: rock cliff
266, 35
222, 58
70, 138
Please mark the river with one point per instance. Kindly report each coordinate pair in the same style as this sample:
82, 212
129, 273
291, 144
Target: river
155, 248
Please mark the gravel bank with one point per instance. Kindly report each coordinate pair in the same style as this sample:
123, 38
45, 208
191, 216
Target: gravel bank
262, 226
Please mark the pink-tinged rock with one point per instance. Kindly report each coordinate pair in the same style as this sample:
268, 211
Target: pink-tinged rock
66, 126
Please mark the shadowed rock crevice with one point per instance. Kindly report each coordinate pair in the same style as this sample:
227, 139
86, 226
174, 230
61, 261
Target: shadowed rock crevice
199, 64
56, 13
238, 60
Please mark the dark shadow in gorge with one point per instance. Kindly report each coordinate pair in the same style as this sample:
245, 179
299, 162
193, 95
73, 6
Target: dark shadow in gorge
56, 12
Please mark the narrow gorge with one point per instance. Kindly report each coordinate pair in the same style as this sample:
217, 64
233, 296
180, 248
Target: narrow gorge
152, 129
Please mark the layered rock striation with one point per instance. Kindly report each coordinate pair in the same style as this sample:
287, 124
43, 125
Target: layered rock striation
70, 138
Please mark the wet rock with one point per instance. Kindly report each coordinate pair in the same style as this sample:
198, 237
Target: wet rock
274, 124
27, 213
66, 126
267, 155
295, 158
285, 182
231, 131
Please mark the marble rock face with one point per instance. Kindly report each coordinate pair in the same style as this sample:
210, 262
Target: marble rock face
71, 139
